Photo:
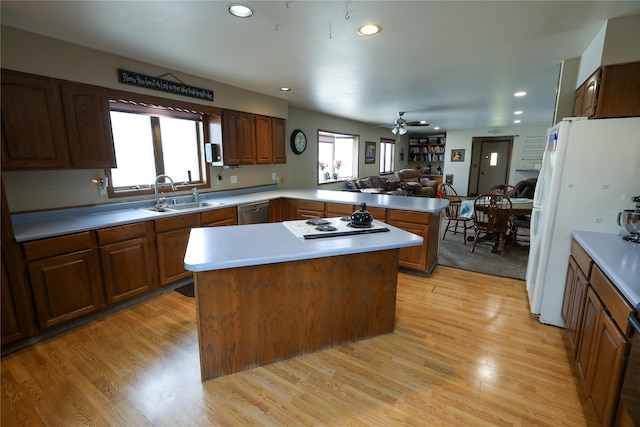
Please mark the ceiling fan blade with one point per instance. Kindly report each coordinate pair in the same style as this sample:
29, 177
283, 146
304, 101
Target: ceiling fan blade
421, 123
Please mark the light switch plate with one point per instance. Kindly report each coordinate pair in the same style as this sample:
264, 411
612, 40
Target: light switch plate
234, 179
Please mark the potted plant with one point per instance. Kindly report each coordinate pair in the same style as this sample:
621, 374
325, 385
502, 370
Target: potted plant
336, 167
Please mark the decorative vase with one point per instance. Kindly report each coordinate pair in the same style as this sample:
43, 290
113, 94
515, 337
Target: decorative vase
335, 175
327, 176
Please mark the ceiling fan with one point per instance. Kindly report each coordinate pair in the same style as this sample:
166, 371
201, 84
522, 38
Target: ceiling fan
400, 125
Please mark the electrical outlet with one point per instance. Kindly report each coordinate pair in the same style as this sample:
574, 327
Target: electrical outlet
234, 179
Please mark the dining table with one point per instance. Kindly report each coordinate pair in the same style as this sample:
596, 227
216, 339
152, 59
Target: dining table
519, 207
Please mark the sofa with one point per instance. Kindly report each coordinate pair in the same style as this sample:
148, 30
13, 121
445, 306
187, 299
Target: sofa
376, 185
416, 185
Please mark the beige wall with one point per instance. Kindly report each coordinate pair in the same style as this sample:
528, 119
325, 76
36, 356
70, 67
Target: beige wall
36, 190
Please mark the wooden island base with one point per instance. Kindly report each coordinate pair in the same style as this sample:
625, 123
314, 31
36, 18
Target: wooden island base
256, 315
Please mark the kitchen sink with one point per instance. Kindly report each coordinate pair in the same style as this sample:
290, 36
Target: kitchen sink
182, 206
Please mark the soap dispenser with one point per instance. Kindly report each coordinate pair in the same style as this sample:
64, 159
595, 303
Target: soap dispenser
196, 195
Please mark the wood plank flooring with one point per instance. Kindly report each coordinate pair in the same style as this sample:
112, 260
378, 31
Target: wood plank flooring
465, 352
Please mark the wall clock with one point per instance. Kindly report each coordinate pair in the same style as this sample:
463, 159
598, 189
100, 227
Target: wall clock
298, 141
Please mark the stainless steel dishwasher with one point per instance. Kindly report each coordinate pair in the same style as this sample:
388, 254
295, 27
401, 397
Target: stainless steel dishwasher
253, 213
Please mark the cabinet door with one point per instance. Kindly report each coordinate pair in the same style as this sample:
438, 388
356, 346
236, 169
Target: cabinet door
619, 94
592, 307
264, 142
247, 138
172, 247
414, 257
33, 130
578, 101
66, 287
306, 209
127, 269
573, 303
610, 347
591, 87
12, 330
86, 110
279, 141
231, 137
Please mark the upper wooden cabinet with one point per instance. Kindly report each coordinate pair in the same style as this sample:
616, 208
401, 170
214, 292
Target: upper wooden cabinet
279, 140
88, 122
50, 124
33, 129
238, 137
612, 91
252, 139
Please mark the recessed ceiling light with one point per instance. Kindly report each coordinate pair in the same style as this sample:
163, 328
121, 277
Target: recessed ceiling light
436, 128
523, 93
516, 121
517, 113
369, 29
285, 89
240, 10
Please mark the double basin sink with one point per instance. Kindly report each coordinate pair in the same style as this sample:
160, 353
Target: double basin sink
181, 207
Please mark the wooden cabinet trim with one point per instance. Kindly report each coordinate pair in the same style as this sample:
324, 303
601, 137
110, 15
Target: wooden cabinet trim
229, 215
408, 216
615, 302
58, 245
121, 233
176, 222
583, 260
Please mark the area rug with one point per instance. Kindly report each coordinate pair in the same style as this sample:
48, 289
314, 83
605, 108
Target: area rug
186, 290
454, 253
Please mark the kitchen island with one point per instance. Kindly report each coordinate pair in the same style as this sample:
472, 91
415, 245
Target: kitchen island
264, 294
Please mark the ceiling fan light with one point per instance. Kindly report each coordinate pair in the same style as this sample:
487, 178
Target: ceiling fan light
403, 131
394, 131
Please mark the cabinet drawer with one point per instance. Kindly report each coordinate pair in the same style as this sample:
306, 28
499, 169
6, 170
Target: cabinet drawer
616, 304
408, 216
218, 215
378, 213
308, 205
583, 260
338, 209
121, 233
58, 245
176, 222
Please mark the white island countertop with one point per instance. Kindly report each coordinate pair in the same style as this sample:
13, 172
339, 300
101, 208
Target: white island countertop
617, 258
39, 225
216, 248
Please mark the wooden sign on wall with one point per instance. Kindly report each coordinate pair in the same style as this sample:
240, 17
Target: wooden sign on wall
156, 83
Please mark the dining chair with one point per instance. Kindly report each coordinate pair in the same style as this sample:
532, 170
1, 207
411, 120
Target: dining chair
491, 220
507, 189
455, 221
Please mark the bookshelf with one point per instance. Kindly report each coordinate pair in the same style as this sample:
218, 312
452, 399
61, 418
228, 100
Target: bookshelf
427, 152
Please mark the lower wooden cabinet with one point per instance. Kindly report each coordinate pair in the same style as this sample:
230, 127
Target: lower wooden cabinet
172, 237
306, 209
129, 266
65, 278
414, 257
595, 316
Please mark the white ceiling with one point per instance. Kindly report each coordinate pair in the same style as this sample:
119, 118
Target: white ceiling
455, 64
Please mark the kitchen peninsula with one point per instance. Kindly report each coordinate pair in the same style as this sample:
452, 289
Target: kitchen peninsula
264, 294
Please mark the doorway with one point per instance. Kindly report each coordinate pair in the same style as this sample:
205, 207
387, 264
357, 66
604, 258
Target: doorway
490, 161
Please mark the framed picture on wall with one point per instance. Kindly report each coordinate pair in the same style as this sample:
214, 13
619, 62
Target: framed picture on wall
457, 155
370, 152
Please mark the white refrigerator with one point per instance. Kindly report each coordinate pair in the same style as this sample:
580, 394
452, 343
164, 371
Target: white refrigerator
590, 171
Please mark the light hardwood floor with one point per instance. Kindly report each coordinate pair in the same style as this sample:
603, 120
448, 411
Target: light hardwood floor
465, 352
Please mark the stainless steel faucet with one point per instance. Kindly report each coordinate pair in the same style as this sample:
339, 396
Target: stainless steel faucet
173, 187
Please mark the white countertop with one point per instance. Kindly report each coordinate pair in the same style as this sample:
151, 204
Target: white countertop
216, 248
39, 225
617, 258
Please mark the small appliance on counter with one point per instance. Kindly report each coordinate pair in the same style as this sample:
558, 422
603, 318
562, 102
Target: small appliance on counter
630, 220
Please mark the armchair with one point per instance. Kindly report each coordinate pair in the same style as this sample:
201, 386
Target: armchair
416, 187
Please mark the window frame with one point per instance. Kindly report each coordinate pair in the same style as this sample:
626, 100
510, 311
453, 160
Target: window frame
392, 160
354, 154
211, 122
